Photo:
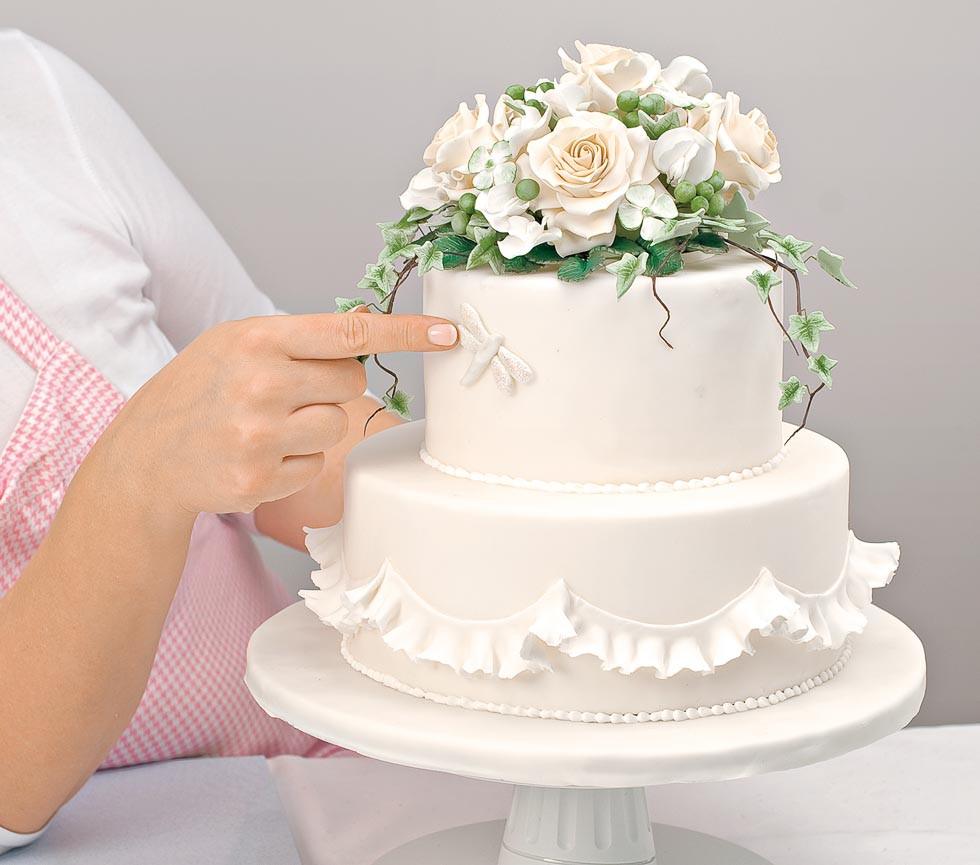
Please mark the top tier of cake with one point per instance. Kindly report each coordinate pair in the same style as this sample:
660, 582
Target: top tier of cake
608, 402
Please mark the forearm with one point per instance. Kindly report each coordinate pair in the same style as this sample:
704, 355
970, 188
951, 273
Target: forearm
322, 502
79, 631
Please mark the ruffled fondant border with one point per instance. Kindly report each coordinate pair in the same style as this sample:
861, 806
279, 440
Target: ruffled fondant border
507, 647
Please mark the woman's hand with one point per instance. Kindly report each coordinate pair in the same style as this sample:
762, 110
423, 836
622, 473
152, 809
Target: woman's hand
244, 414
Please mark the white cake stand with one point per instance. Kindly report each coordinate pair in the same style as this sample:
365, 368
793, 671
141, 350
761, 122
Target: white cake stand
579, 794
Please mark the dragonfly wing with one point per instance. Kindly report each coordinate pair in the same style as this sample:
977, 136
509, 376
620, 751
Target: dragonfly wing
470, 319
503, 378
516, 366
467, 339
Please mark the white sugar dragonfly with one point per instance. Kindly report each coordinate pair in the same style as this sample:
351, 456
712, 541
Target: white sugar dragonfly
488, 351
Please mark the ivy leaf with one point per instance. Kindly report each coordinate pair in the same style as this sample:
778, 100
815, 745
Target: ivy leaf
821, 367
450, 261
486, 252
752, 223
791, 390
414, 216
520, 264
707, 241
429, 257
764, 281
454, 243
664, 259
626, 270
831, 263
346, 304
395, 235
380, 277
789, 247
723, 223
397, 402
544, 254
574, 269
807, 328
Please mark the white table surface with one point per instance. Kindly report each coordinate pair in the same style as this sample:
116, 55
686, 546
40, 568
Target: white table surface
912, 798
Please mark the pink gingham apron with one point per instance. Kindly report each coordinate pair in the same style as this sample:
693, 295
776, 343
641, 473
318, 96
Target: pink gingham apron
195, 700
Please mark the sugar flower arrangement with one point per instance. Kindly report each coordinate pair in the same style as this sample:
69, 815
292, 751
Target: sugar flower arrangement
621, 165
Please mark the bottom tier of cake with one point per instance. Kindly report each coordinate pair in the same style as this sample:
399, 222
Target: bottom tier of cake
749, 682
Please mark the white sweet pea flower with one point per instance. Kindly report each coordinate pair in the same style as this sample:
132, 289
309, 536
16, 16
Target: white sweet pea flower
684, 154
566, 98
523, 234
427, 189
684, 82
645, 208
606, 70
492, 166
519, 129
499, 204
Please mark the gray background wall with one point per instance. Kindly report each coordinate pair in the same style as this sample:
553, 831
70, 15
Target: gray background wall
267, 111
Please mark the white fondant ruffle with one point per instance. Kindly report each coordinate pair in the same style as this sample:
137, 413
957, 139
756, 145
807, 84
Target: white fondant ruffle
506, 647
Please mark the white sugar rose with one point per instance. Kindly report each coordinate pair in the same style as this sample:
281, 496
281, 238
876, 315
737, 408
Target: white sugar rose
519, 129
606, 70
584, 168
452, 146
746, 148
684, 154
427, 189
566, 98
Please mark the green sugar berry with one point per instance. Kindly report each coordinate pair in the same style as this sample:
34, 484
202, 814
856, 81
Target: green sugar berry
628, 101
685, 191
632, 120
717, 181
653, 103
467, 202
699, 202
515, 92
716, 205
527, 189
460, 222
705, 189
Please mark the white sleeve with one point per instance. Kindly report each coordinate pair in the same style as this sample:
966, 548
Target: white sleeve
195, 280
11, 840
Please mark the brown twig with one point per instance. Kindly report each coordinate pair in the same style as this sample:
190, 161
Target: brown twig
660, 333
806, 413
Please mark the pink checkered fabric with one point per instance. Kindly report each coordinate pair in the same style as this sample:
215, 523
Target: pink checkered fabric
195, 702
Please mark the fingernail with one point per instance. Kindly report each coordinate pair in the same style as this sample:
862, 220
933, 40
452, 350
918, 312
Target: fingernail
442, 334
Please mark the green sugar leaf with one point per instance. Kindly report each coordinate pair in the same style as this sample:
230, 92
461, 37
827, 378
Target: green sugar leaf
831, 264
764, 281
346, 304
707, 241
454, 243
451, 261
626, 270
574, 269
520, 264
821, 367
664, 258
807, 328
791, 390
398, 403
790, 248
544, 254
429, 257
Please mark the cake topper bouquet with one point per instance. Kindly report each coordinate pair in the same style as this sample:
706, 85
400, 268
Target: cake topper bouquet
620, 165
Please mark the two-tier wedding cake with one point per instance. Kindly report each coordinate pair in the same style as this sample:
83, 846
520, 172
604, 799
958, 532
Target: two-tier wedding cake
601, 519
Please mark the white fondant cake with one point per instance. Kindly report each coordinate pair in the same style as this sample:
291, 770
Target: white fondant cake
552, 542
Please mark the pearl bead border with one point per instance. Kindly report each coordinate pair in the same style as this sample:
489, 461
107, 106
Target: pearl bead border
591, 488
692, 713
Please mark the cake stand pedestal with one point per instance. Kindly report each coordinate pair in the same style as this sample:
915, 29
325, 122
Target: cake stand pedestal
579, 796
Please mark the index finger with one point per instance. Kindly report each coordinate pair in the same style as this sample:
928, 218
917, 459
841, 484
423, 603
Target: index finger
329, 336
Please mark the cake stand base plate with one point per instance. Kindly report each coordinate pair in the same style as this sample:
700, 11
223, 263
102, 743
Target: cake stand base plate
295, 672
479, 844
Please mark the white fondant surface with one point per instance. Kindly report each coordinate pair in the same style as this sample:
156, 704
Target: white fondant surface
296, 673
706, 407
477, 551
